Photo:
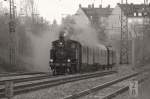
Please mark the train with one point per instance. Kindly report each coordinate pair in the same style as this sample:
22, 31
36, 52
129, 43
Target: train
71, 56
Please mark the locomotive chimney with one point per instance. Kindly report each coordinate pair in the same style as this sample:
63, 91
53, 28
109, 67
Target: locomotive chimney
80, 6
61, 35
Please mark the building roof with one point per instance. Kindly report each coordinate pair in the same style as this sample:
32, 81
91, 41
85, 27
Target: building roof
132, 10
98, 12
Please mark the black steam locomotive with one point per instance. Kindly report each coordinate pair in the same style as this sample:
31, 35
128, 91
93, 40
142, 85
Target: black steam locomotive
70, 56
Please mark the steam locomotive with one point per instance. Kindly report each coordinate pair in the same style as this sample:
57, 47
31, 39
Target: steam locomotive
70, 56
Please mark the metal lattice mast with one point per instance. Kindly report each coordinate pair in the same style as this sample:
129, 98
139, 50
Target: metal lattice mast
12, 34
145, 27
124, 50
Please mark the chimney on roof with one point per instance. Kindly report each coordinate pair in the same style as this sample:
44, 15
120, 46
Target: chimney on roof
131, 3
118, 3
93, 5
89, 6
108, 6
100, 6
80, 6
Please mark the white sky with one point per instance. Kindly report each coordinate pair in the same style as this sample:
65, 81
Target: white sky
56, 9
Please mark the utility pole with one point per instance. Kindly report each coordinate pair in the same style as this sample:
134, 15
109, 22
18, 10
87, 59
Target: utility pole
124, 50
145, 27
12, 34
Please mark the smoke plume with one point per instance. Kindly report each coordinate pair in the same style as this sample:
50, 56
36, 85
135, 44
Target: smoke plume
41, 49
82, 32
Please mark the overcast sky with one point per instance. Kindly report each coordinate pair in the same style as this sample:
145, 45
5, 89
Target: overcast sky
56, 9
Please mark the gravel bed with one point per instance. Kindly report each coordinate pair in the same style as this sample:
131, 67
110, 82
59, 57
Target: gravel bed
105, 91
58, 92
143, 90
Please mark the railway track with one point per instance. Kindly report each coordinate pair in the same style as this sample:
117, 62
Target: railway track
23, 77
117, 86
19, 74
120, 89
31, 84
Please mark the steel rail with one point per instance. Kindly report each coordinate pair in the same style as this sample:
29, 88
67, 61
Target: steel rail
19, 73
102, 86
50, 82
24, 79
121, 90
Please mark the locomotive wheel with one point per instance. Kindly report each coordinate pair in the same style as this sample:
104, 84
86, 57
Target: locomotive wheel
103, 67
107, 68
73, 69
77, 69
54, 71
59, 71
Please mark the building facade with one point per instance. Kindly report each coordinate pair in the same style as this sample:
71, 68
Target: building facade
97, 17
137, 16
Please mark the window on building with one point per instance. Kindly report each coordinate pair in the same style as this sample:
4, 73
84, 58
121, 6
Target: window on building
134, 13
139, 14
91, 17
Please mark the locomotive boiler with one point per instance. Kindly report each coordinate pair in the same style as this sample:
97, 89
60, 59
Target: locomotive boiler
70, 56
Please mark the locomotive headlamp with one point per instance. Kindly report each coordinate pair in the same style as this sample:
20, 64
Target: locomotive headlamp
51, 60
68, 60
60, 43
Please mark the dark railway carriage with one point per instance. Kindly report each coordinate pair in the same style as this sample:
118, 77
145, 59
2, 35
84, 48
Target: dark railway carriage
110, 57
74, 53
92, 58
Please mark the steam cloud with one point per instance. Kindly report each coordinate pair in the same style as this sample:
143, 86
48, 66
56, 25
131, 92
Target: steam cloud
42, 44
41, 47
84, 33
